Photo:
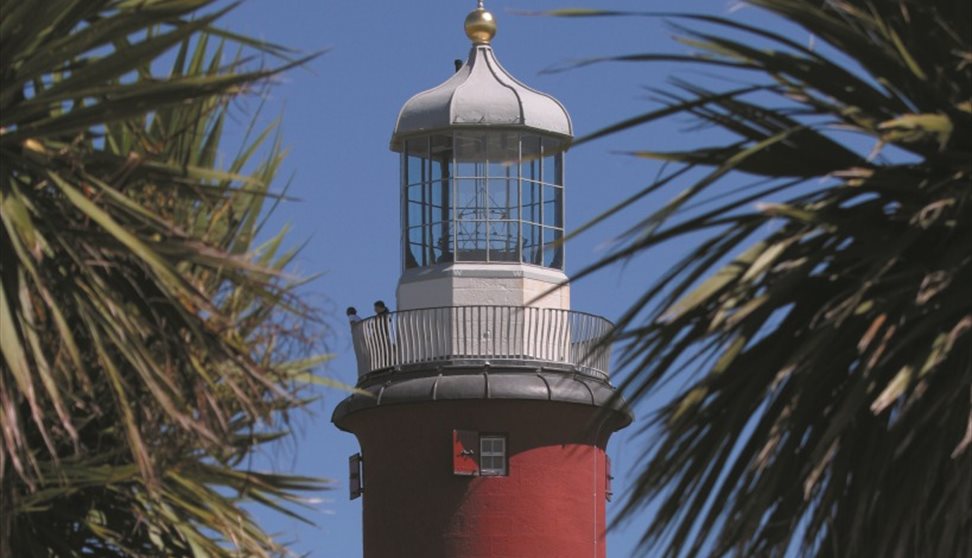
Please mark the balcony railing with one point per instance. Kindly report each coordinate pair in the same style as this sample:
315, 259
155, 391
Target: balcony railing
497, 334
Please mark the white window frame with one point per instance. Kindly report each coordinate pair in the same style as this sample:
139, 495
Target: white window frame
502, 454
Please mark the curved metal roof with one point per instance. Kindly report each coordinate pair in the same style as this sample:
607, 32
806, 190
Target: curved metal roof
481, 93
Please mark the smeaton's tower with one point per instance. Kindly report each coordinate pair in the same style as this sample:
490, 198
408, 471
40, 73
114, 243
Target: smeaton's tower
488, 405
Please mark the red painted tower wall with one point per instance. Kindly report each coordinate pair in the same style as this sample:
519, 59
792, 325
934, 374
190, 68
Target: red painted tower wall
551, 504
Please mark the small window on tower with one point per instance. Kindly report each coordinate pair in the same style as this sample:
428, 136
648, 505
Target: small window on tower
492, 455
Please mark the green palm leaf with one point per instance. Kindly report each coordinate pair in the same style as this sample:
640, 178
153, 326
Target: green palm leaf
827, 411
148, 345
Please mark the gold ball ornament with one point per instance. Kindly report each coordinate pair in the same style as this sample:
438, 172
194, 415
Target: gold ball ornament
480, 26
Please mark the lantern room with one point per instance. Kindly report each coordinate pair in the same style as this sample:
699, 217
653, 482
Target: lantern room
482, 186
472, 195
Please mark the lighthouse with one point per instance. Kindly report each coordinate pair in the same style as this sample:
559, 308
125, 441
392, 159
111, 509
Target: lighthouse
484, 403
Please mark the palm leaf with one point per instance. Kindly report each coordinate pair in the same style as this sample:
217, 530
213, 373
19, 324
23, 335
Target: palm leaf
148, 345
822, 334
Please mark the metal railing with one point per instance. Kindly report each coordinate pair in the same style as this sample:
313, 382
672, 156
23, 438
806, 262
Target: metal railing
487, 333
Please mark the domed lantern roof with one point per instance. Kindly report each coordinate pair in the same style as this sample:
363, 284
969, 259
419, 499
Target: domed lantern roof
482, 94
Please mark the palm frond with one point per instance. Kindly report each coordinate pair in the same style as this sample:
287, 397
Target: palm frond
825, 330
148, 344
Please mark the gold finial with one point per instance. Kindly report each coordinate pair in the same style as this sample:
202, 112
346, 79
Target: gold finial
480, 25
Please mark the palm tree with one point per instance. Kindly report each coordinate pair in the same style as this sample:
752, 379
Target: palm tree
149, 346
822, 321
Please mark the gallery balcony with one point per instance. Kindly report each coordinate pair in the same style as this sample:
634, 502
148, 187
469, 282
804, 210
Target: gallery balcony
511, 337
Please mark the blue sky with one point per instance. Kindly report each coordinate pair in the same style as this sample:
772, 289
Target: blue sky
337, 117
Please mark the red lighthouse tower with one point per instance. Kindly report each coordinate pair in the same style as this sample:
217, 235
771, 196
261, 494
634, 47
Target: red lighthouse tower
488, 405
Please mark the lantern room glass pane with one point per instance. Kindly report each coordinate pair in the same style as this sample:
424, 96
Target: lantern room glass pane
530, 149
441, 238
532, 245
470, 169
530, 170
414, 214
416, 163
499, 169
503, 242
553, 248
417, 205
415, 169
550, 173
415, 253
531, 202
503, 155
503, 199
553, 206
438, 198
438, 169
440, 157
471, 241
471, 203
